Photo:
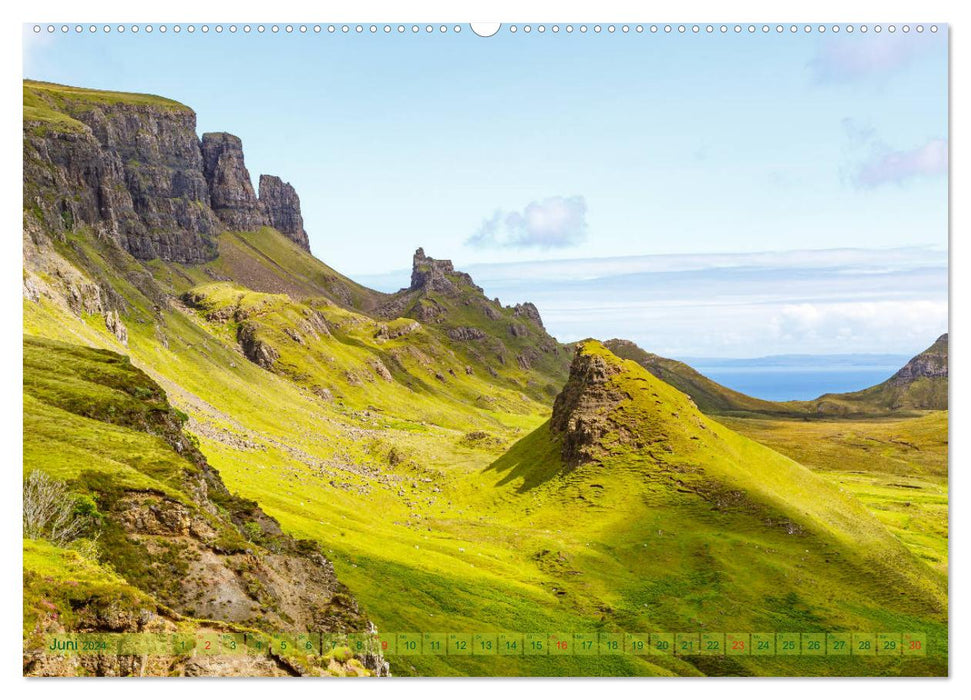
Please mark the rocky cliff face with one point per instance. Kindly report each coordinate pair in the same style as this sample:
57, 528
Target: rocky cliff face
281, 205
581, 412
131, 172
131, 168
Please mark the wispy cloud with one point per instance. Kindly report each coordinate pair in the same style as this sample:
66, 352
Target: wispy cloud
875, 163
849, 59
555, 222
897, 167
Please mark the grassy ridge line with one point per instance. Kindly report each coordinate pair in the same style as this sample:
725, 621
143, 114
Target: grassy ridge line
708, 395
266, 261
50, 104
56, 91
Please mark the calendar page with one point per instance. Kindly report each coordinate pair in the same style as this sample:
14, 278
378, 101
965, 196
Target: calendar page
513, 349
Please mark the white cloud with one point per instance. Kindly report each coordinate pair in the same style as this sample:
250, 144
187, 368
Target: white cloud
555, 222
874, 163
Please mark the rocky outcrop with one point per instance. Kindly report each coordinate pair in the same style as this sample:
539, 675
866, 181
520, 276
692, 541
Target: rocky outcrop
466, 333
528, 310
433, 275
255, 348
581, 412
281, 205
230, 190
386, 332
932, 364
114, 324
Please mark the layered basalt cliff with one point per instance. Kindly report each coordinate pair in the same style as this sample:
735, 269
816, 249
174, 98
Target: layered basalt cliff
131, 168
132, 172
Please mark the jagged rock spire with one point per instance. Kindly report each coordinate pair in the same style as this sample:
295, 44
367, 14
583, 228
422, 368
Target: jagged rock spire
281, 205
231, 192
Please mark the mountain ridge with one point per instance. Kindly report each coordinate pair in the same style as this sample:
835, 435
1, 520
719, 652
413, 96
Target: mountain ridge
920, 385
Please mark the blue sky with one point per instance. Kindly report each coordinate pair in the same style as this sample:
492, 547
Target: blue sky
548, 147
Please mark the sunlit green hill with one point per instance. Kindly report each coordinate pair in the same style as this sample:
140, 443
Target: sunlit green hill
241, 417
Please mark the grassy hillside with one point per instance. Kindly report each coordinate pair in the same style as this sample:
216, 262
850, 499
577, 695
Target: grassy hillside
438, 528
161, 544
896, 467
688, 524
876, 443
223, 425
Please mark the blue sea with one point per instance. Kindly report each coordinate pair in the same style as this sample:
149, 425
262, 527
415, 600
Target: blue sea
784, 378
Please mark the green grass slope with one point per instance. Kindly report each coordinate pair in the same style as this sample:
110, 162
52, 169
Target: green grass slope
267, 261
897, 467
880, 444
48, 104
681, 524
